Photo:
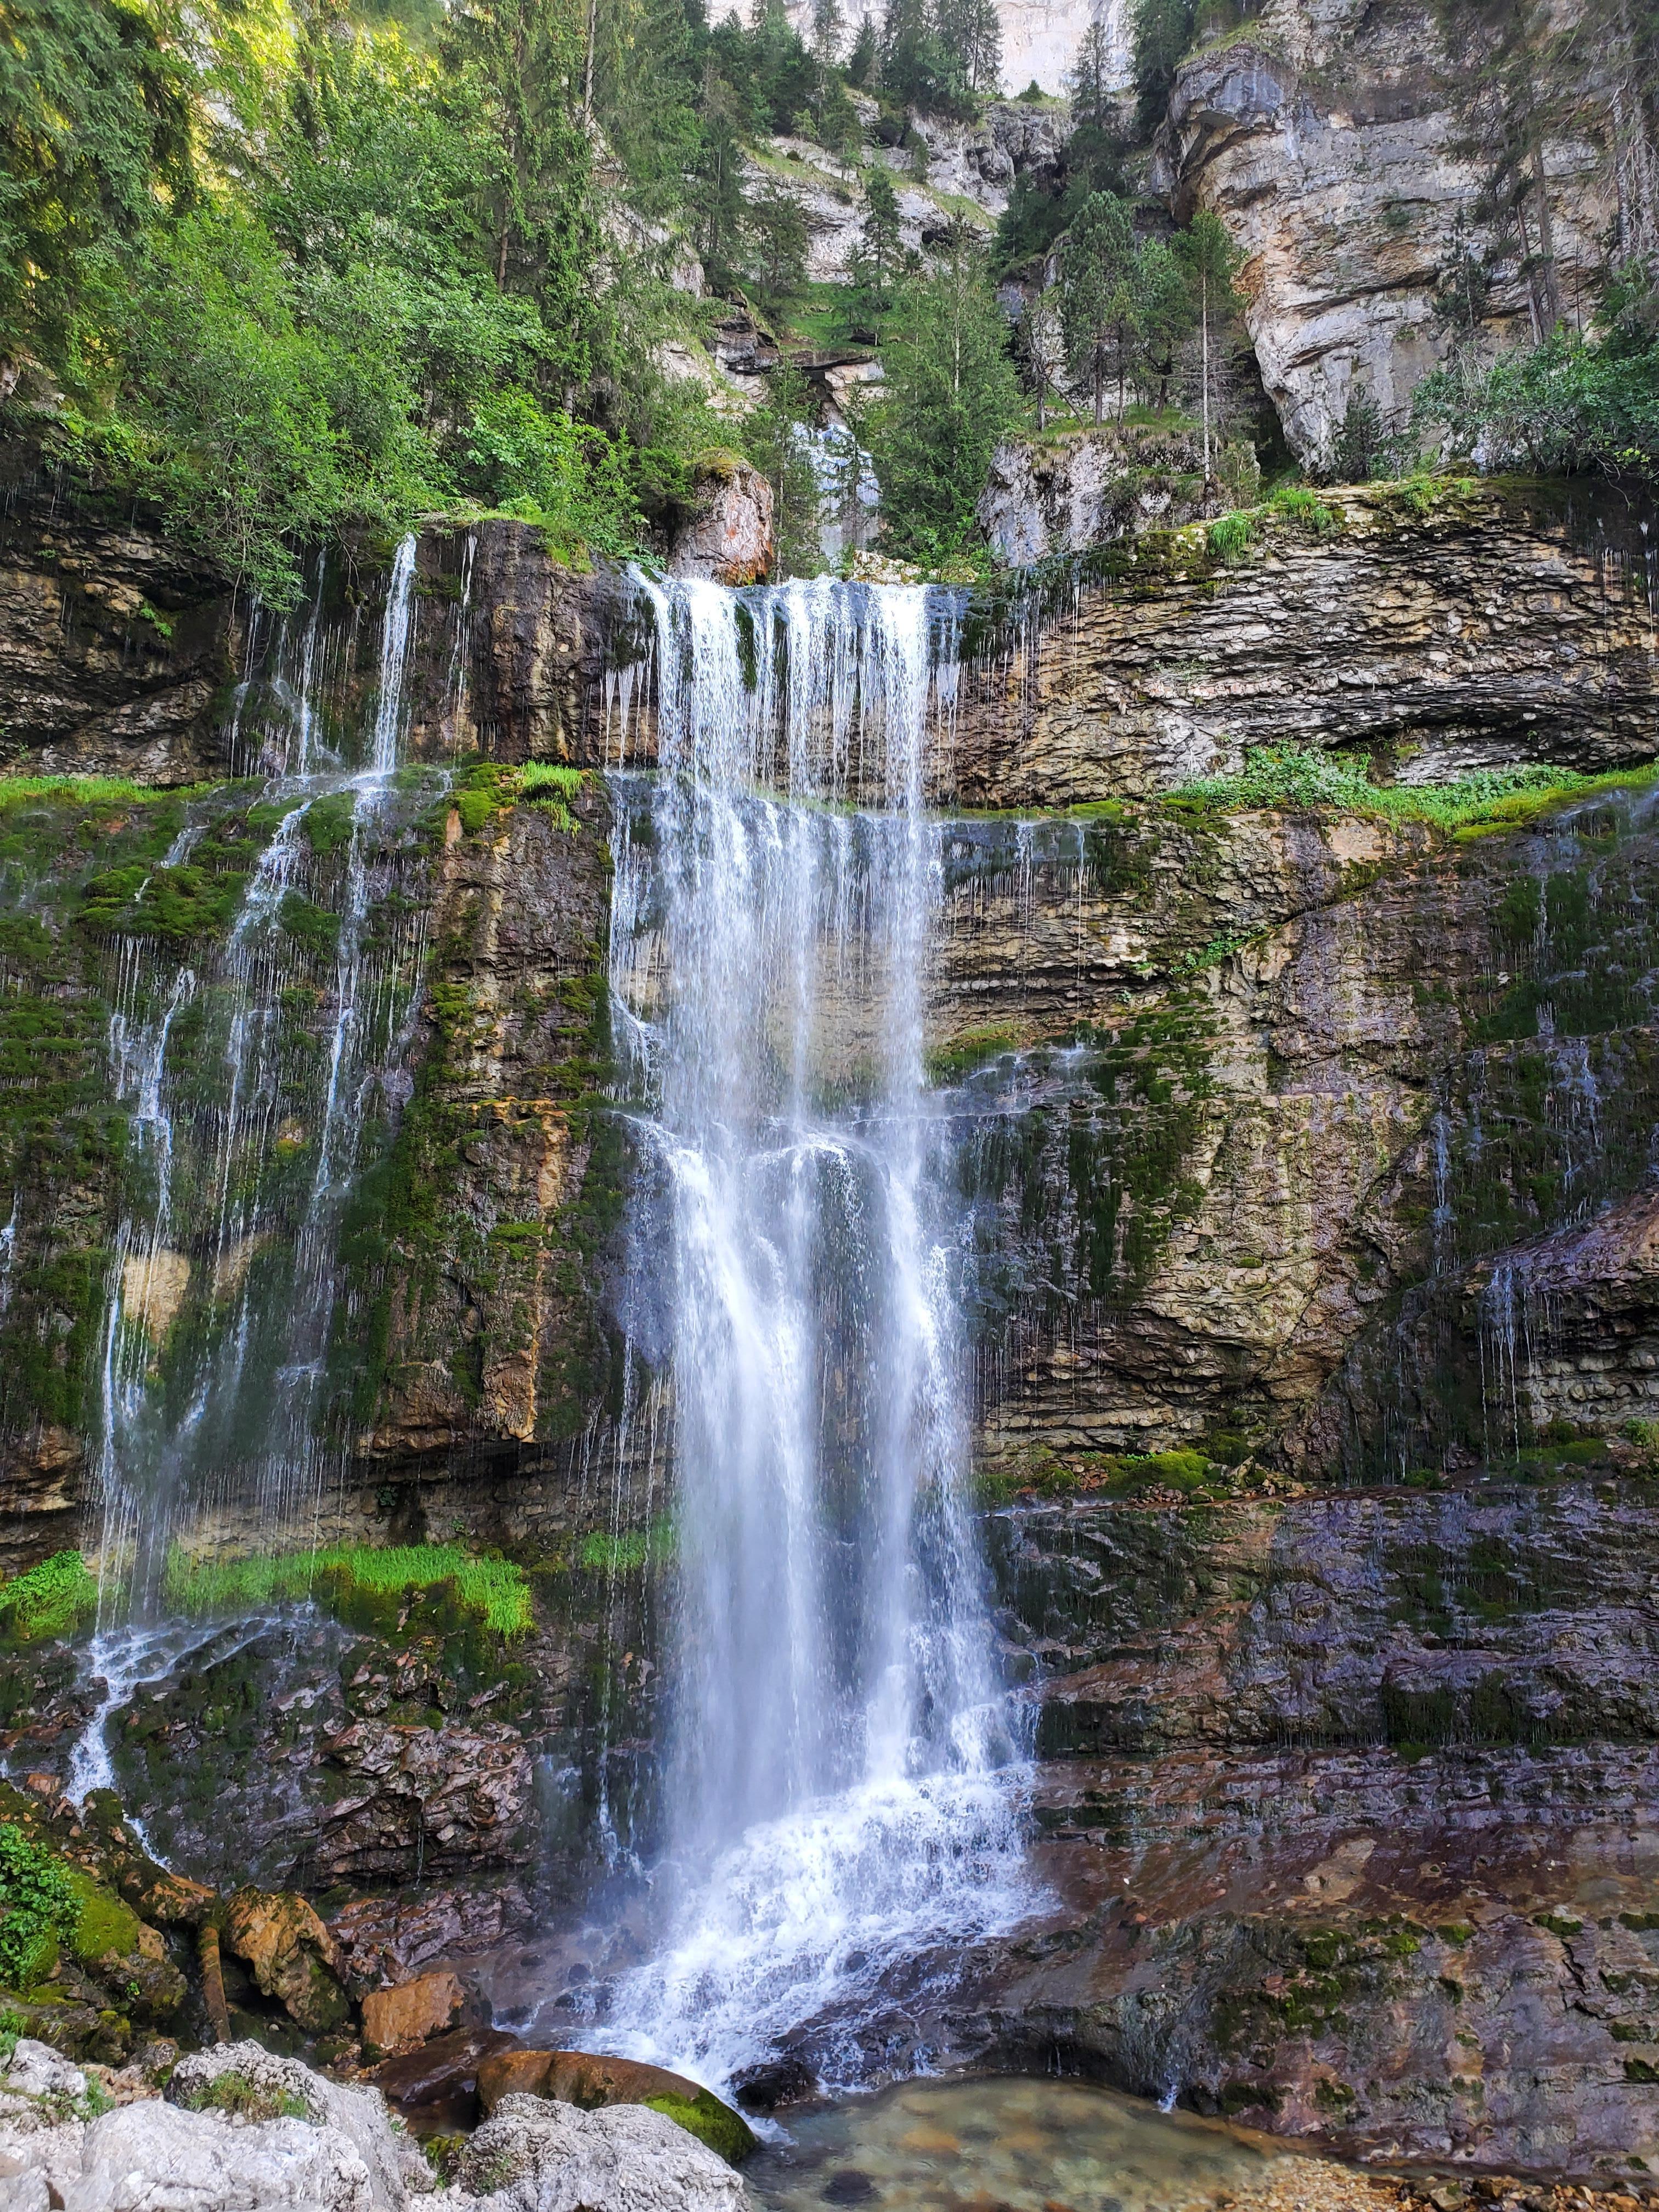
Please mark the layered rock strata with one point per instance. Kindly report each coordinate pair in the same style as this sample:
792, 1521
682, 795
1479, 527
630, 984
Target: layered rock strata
1441, 628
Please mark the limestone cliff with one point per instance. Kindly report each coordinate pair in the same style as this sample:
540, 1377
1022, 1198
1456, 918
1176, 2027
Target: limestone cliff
1336, 142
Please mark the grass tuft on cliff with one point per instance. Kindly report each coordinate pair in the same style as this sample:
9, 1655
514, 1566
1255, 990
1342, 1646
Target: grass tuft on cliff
51, 1598
1485, 801
342, 1574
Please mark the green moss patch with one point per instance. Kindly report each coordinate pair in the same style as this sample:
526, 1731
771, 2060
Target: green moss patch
715, 2124
355, 1581
1482, 803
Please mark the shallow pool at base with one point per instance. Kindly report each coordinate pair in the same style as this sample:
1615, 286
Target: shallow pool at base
990, 2142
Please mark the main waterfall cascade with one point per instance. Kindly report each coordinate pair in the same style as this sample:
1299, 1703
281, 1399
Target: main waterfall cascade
842, 1774
252, 1074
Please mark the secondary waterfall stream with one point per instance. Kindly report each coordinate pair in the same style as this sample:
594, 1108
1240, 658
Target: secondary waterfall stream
838, 1797
252, 1070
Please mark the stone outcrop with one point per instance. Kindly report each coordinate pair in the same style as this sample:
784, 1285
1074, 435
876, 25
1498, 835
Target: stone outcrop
1445, 630
965, 171
1332, 139
241, 2126
1049, 498
728, 538
118, 650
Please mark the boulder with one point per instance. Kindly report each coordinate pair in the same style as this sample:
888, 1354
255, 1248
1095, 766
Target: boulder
532, 2156
243, 2080
412, 2012
591, 2081
292, 1955
728, 539
439, 2080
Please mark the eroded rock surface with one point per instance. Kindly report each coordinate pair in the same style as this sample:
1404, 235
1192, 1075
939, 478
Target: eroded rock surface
1502, 624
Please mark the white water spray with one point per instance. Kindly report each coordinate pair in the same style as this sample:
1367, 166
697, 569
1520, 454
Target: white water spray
838, 1790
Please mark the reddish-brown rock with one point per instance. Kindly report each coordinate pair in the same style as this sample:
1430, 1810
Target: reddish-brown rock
413, 2013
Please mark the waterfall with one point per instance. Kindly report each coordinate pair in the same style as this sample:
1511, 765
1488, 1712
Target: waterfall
838, 1775
251, 1076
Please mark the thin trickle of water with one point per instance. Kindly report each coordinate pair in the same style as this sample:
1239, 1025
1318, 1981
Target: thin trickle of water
838, 1784
223, 1229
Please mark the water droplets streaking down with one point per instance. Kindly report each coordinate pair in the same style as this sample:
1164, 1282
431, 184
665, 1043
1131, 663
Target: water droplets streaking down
838, 1789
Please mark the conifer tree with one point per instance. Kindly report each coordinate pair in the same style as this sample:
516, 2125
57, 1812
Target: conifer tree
1096, 300
1210, 260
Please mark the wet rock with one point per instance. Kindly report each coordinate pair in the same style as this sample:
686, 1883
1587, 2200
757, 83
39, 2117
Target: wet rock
412, 2012
591, 2081
729, 537
291, 1953
454, 1796
439, 2080
530, 2154
785, 2080
383, 1940
114, 642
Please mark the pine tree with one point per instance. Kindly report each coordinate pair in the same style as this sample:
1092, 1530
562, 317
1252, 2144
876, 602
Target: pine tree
537, 194
1210, 260
829, 29
1095, 297
1088, 80
953, 396
861, 62
1162, 32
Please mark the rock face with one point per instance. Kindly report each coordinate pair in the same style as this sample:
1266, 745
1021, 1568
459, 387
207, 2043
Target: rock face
967, 174
116, 649
1332, 142
1500, 624
729, 540
1087, 488
1428, 1922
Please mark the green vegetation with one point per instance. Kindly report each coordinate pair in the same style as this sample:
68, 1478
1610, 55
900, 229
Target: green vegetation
40, 1907
1569, 403
236, 2095
601, 1553
50, 1599
341, 1576
1485, 802
1112, 1474
953, 396
715, 2124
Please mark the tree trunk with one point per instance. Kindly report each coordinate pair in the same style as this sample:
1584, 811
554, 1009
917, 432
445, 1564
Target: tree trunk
1204, 372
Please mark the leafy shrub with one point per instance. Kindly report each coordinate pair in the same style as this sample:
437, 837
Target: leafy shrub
39, 1907
1570, 404
51, 1598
